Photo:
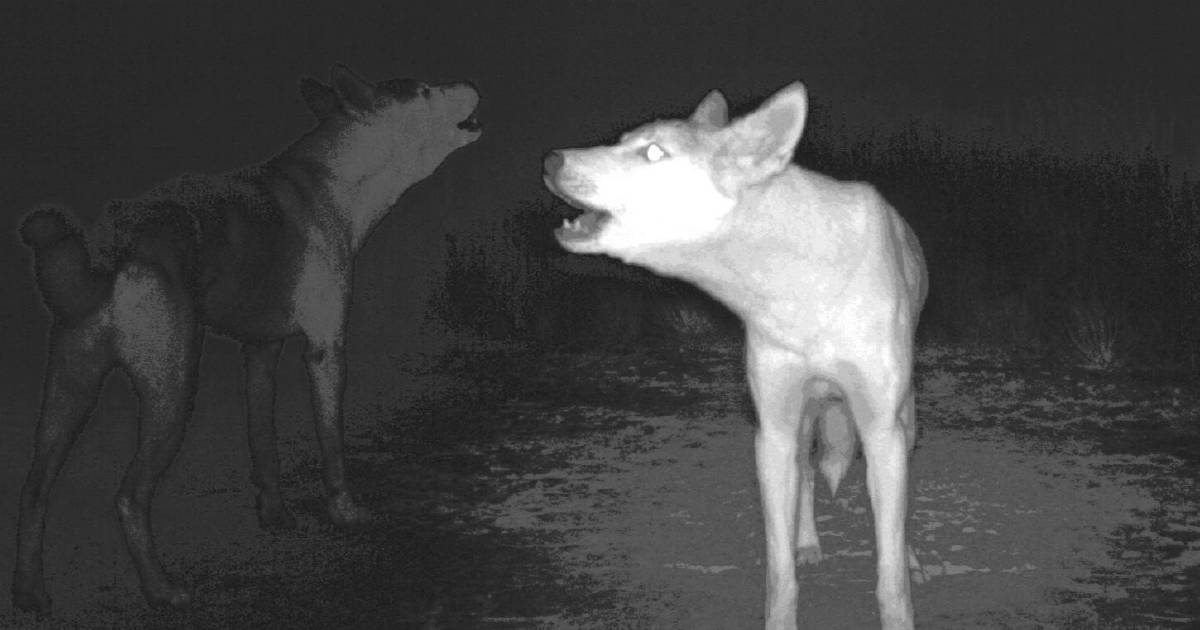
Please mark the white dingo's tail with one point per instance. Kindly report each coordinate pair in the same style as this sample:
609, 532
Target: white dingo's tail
837, 438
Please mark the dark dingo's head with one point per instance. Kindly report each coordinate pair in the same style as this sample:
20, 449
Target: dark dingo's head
437, 118
377, 139
673, 182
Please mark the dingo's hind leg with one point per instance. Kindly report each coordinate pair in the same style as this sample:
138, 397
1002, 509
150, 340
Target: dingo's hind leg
77, 362
908, 419
261, 361
158, 344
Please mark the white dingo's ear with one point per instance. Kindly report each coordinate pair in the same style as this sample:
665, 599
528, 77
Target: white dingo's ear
763, 141
319, 98
352, 90
712, 110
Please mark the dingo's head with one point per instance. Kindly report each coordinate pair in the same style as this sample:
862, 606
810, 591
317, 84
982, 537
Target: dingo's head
377, 139
425, 122
676, 181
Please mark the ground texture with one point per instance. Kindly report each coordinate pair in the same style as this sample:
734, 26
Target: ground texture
516, 489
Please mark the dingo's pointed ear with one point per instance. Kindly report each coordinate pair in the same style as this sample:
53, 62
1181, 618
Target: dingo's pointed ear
763, 141
712, 110
351, 89
319, 98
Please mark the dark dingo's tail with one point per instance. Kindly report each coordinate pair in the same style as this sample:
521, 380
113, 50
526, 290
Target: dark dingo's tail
70, 287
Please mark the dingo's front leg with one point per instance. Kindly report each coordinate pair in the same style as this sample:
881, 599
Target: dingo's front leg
775, 385
886, 447
327, 371
322, 301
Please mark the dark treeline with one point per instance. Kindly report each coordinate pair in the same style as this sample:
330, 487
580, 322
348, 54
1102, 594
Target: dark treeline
1093, 258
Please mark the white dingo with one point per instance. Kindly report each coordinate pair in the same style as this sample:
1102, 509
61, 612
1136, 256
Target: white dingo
826, 276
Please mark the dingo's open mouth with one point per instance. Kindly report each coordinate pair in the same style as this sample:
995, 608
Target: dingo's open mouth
584, 226
471, 123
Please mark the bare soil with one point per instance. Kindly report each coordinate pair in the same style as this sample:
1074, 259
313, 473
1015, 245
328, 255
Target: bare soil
516, 489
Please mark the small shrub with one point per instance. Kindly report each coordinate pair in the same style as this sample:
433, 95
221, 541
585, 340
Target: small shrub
1096, 332
689, 318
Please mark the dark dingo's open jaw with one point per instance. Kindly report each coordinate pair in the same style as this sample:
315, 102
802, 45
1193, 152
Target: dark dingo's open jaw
828, 279
258, 254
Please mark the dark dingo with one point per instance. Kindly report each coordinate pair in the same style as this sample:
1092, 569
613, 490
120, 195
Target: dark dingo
257, 254
826, 276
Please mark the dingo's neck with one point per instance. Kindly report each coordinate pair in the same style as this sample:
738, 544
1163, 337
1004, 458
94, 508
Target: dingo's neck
362, 175
778, 253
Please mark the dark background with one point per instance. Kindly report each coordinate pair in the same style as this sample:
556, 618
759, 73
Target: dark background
1046, 154
935, 102
104, 98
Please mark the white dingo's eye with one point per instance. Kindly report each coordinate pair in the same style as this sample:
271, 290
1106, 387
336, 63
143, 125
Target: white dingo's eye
653, 153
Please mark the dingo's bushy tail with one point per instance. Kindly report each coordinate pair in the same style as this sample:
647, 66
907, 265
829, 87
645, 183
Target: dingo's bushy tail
836, 435
70, 287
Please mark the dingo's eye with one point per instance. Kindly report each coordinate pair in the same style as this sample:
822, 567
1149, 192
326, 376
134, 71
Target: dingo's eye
653, 153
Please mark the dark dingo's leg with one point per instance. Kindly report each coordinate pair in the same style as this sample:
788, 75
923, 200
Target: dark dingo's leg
321, 304
75, 370
157, 341
261, 360
327, 373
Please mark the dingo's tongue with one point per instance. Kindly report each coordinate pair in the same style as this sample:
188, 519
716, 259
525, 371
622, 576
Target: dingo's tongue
583, 227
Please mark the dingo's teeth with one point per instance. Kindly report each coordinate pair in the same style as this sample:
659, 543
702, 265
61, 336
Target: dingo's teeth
585, 225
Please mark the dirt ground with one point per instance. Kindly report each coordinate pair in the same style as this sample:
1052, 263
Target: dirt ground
523, 490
